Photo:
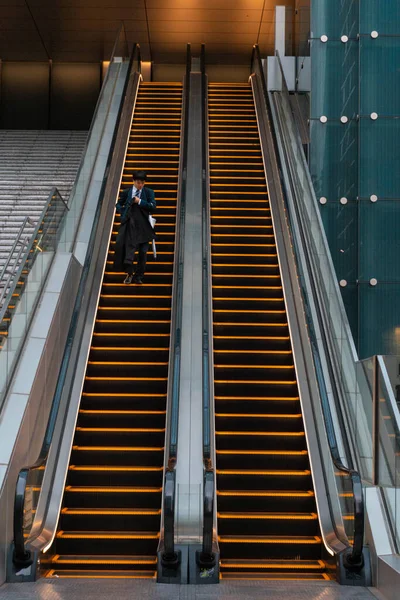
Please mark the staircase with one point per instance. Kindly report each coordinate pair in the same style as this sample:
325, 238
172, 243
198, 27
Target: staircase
267, 517
110, 519
31, 164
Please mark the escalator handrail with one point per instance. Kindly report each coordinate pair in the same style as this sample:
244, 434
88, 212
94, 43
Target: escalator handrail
205, 274
177, 293
23, 557
206, 558
355, 556
169, 556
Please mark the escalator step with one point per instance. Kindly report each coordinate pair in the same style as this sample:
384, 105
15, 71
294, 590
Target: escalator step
267, 524
110, 518
276, 547
104, 542
100, 573
267, 518
117, 497
79, 519
277, 501
117, 455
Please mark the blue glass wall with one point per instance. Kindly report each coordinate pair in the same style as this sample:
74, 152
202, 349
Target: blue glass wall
355, 158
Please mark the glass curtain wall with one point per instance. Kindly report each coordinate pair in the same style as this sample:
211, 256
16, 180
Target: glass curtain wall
355, 158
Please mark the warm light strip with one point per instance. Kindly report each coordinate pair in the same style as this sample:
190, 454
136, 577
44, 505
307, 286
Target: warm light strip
117, 448
105, 511
122, 412
119, 429
111, 489
53, 573
126, 378
112, 468
287, 494
258, 416
158, 364
251, 324
248, 351
263, 433
123, 395
252, 337
113, 536
263, 452
273, 473
269, 517
263, 540
235, 366
248, 299
250, 312
124, 348
295, 565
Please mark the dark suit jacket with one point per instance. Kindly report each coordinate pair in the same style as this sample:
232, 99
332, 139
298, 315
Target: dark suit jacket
147, 202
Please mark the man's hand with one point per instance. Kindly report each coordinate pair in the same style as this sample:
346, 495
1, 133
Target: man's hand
137, 200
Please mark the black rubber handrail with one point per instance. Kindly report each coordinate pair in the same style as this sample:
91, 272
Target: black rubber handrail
206, 558
169, 557
174, 417
354, 555
22, 557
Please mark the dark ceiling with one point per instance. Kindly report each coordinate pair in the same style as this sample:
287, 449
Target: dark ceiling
85, 30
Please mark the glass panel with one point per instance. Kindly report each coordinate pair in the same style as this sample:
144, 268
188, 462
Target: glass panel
335, 66
337, 147
389, 451
363, 417
350, 301
379, 161
27, 286
86, 169
341, 224
379, 239
383, 17
379, 313
334, 18
380, 80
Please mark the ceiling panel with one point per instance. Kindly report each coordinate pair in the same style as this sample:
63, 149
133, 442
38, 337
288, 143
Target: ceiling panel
204, 27
93, 4
85, 30
81, 13
176, 14
201, 38
207, 4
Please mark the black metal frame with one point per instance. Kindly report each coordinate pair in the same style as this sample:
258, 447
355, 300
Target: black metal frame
354, 555
22, 557
169, 557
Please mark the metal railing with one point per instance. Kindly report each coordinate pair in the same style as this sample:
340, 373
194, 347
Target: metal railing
169, 557
20, 281
30, 478
352, 486
14, 259
207, 558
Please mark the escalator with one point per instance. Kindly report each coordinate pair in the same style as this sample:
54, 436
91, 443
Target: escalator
267, 518
109, 524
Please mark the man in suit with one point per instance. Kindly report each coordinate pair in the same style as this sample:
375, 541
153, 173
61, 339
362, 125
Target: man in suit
135, 232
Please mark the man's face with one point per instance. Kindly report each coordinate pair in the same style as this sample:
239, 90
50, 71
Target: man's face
138, 183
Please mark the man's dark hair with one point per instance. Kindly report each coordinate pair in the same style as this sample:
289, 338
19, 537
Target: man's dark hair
141, 175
